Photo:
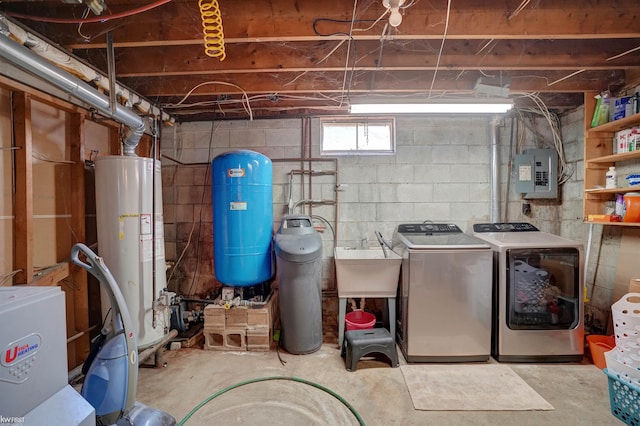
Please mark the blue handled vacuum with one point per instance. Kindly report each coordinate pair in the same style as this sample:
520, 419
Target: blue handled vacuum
111, 370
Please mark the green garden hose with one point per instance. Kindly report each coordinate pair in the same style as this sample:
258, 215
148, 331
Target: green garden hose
264, 379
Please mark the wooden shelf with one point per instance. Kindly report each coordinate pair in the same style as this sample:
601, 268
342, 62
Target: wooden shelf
615, 157
613, 223
613, 190
598, 148
614, 126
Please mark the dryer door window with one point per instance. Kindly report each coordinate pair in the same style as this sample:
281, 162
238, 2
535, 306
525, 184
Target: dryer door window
543, 289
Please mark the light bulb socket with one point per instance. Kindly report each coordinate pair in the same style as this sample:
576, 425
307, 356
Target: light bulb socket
395, 18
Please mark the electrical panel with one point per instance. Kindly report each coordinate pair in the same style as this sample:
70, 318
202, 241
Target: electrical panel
537, 173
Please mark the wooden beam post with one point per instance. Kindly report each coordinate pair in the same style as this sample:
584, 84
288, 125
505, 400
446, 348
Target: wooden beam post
23, 201
75, 138
115, 146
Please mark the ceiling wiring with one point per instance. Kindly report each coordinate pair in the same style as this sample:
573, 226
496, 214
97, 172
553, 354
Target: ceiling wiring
227, 105
300, 75
90, 20
316, 21
487, 47
256, 98
519, 9
355, 55
373, 22
485, 74
460, 74
565, 77
84, 16
490, 44
406, 6
328, 55
349, 44
564, 170
444, 37
245, 97
620, 55
348, 70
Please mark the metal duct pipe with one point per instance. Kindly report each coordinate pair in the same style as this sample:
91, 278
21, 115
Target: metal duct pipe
495, 171
29, 61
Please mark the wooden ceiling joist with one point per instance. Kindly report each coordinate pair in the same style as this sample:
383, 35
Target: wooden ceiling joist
309, 48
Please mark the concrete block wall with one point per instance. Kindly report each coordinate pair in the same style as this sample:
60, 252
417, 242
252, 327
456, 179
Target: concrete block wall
564, 217
440, 172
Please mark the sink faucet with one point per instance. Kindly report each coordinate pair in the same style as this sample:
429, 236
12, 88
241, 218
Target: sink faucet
364, 243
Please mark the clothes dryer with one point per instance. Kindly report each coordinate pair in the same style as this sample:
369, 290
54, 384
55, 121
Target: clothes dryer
538, 313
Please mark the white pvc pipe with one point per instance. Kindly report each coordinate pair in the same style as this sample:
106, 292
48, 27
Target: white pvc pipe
586, 261
495, 172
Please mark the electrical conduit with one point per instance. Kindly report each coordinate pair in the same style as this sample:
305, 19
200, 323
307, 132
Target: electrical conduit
495, 171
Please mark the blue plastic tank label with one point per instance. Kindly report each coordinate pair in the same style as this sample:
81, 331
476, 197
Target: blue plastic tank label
237, 205
239, 172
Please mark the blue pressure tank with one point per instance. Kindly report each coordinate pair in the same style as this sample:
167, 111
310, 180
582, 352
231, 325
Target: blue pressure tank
242, 218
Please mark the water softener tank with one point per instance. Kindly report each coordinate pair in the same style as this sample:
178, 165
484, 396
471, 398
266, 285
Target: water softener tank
242, 218
299, 258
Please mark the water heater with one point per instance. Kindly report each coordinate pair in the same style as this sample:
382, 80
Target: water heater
131, 238
242, 218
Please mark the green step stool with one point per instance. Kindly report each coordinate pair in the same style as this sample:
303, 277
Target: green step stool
359, 343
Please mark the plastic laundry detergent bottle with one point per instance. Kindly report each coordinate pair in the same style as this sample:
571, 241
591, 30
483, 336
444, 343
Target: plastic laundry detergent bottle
620, 205
632, 207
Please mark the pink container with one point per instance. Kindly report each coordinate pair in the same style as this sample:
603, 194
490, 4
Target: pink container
360, 320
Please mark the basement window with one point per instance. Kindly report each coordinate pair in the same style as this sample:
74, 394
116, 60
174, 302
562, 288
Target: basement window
350, 136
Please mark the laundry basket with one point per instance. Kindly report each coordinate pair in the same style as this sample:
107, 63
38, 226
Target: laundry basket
625, 399
531, 286
626, 326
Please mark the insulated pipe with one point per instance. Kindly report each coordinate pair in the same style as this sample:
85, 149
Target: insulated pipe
495, 172
29, 61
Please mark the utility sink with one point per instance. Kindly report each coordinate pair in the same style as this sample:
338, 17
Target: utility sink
366, 272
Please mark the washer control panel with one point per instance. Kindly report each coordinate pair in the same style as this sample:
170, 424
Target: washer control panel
428, 228
504, 227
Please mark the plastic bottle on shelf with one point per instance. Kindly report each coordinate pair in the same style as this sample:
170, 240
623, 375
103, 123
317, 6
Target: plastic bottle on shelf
620, 205
611, 178
632, 207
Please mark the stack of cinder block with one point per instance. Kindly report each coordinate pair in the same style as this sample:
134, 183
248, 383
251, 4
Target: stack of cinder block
240, 328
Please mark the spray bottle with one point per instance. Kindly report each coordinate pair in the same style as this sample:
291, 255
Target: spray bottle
620, 205
611, 180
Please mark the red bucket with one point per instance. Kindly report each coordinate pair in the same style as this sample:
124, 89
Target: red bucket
360, 320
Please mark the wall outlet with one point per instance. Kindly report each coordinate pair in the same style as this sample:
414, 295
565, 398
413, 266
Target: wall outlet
526, 208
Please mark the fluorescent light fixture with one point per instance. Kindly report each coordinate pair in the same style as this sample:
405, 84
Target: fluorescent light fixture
463, 107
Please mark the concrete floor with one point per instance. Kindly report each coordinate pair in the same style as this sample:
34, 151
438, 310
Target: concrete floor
577, 391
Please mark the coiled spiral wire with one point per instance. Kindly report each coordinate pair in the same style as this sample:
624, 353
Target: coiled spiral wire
212, 28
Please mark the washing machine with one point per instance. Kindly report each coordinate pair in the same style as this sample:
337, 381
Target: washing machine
538, 292
444, 296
